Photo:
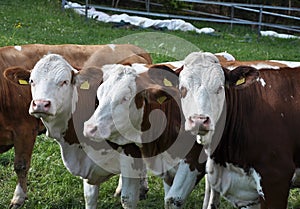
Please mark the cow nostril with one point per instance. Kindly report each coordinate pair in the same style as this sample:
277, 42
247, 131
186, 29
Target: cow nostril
206, 120
47, 104
92, 129
33, 103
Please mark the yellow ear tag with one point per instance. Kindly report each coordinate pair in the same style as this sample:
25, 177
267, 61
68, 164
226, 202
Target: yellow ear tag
161, 99
85, 85
167, 82
240, 81
23, 82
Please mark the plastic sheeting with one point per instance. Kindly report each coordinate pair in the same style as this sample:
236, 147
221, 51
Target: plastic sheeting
143, 22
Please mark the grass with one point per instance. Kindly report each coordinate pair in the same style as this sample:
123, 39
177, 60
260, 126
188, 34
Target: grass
50, 185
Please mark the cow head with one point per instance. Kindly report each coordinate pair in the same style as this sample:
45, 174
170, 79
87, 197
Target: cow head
202, 84
53, 84
122, 98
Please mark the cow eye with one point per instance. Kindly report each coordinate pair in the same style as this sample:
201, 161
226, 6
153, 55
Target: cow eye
183, 91
31, 82
125, 99
220, 89
65, 82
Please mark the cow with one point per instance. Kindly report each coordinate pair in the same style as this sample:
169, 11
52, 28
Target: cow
241, 116
141, 104
20, 60
211, 199
19, 130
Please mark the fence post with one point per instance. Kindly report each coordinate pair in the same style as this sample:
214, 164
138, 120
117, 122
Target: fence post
232, 16
86, 9
147, 5
63, 2
260, 19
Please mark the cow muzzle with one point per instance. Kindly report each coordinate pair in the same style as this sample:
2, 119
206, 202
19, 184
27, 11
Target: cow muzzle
40, 107
198, 124
95, 132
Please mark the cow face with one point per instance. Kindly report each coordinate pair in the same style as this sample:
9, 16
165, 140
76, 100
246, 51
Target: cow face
202, 86
53, 86
202, 92
122, 98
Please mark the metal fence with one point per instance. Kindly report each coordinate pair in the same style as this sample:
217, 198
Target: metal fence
194, 15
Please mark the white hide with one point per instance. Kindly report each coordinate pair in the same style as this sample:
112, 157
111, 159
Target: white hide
204, 80
233, 183
226, 55
18, 48
185, 180
291, 64
19, 195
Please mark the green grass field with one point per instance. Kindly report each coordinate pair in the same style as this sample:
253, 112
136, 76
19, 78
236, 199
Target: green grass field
24, 22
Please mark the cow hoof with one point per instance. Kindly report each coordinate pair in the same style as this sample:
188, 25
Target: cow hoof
172, 203
117, 194
15, 206
143, 196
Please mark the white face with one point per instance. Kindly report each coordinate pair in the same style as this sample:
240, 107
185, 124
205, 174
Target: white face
116, 117
51, 87
201, 83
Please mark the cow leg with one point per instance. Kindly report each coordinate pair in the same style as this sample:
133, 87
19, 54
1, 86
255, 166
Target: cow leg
211, 197
257, 206
91, 193
183, 183
130, 192
206, 194
23, 152
276, 197
119, 187
132, 172
144, 188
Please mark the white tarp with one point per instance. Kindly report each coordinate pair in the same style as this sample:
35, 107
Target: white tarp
143, 22
277, 35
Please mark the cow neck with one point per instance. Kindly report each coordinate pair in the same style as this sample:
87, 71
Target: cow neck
168, 127
56, 128
217, 135
232, 145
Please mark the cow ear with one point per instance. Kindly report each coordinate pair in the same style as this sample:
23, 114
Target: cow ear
241, 76
88, 76
160, 94
163, 75
17, 74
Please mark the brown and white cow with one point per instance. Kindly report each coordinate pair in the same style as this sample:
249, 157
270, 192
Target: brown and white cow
75, 157
141, 104
247, 119
19, 130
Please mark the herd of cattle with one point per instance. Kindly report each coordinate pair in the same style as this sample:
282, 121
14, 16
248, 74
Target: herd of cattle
114, 112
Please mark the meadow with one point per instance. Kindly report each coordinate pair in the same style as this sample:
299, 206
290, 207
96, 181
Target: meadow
50, 186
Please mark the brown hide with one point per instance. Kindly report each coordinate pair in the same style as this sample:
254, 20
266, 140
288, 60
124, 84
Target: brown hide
262, 131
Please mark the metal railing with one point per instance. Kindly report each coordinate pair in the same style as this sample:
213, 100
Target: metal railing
260, 10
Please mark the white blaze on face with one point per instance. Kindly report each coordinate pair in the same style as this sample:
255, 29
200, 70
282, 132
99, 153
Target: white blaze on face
116, 117
202, 88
